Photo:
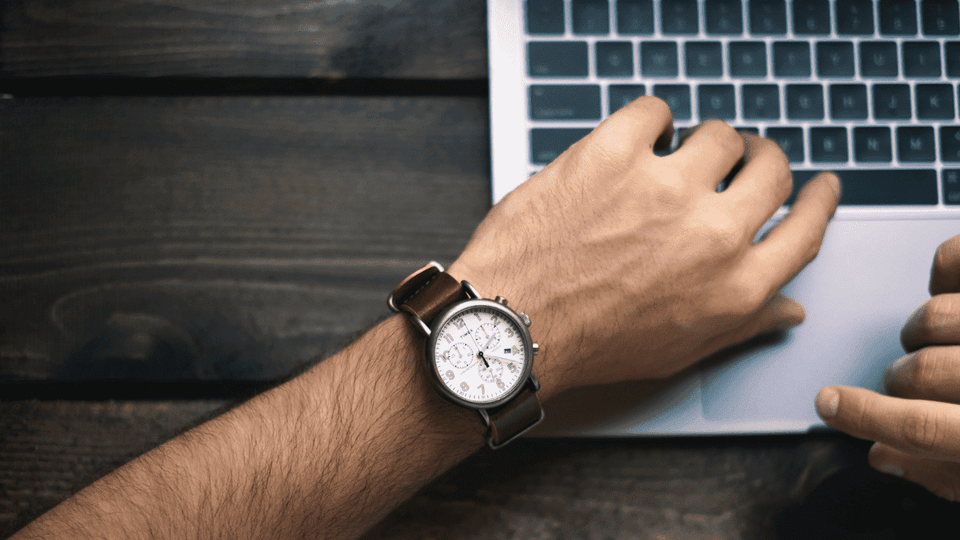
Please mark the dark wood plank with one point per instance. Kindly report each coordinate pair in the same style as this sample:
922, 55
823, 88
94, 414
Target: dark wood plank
417, 39
796, 487
245, 235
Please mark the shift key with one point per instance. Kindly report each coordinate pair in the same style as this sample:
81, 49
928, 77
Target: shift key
564, 102
879, 187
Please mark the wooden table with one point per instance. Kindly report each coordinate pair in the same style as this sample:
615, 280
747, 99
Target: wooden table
197, 198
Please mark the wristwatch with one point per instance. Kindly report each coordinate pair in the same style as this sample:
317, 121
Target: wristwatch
479, 352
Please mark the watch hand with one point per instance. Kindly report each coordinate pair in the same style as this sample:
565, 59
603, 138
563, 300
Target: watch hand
487, 344
484, 360
503, 359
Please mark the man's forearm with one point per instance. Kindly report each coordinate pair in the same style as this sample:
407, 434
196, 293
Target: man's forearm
324, 455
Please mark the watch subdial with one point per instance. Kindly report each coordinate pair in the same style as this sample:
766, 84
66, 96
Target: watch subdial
488, 337
491, 373
460, 355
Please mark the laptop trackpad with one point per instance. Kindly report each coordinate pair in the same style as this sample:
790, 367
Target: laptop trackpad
867, 280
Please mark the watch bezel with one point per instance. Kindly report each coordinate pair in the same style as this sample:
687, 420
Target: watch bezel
431, 350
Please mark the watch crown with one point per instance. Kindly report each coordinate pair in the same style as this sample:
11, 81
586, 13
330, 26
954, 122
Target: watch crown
500, 300
525, 319
536, 349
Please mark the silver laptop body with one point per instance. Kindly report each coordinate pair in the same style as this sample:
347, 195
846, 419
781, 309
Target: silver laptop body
555, 72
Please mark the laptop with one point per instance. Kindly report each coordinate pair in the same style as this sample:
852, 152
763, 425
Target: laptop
864, 88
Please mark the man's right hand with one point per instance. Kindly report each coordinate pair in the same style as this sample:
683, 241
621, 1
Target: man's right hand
632, 265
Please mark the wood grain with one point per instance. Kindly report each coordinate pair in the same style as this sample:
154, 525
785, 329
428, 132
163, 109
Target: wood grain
814, 486
333, 39
246, 235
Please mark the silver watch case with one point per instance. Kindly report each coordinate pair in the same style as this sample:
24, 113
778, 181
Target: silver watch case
452, 311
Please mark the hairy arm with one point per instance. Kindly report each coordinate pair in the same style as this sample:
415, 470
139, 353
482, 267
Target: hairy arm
631, 265
325, 455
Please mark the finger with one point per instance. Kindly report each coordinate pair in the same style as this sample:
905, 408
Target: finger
644, 123
796, 240
945, 274
942, 478
924, 428
780, 313
936, 322
930, 373
709, 153
764, 182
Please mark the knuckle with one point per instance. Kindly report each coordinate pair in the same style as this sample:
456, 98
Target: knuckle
747, 296
947, 255
724, 231
730, 140
920, 371
938, 312
920, 431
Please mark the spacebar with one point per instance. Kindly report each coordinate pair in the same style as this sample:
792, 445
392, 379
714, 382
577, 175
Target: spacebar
880, 187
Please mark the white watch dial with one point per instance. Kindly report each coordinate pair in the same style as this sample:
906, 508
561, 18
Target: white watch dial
480, 355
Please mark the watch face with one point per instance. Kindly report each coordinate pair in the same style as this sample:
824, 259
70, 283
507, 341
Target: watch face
480, 353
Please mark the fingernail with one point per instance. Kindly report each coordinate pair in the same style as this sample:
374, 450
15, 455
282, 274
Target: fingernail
837, 187
828, 402
892, 468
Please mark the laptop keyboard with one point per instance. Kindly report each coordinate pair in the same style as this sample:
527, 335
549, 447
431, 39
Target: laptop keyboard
864, 88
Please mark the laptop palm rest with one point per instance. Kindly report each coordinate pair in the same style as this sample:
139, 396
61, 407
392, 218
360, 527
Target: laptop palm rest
870, 275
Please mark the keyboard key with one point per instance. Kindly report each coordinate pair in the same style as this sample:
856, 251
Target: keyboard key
878, 59
724, 17
544, 16
891, 101
748, 58
951, 186
679, 17
635, 17
934, 101
791, 59
768, 17
564, 102
953, 58
880, 187
790, 140
848, 102
658, 59
828, 144
854, 17
614, 59
940, 17
915, 144
716, 101
898, 17
590, 17
703, 58
950, 144
811, 17
835, 59
872, 145
804, 102
546, 144
557, 59
622, 94
921, 59
760, 101
677, 97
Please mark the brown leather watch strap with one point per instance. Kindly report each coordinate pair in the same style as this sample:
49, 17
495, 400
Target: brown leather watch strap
438, 294
516, 417
426, 292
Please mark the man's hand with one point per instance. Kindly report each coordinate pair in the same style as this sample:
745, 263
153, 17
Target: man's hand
632, 265
917, 426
